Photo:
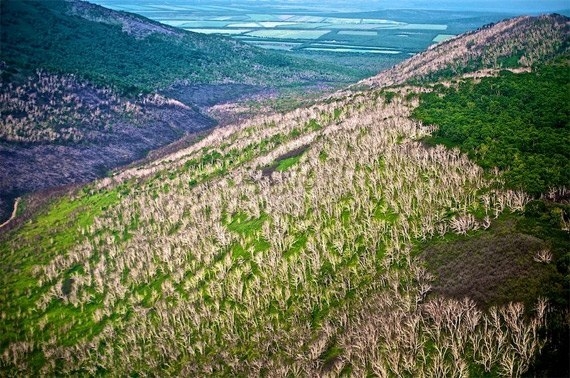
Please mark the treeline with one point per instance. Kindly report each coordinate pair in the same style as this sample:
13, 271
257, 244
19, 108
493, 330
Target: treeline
518, 123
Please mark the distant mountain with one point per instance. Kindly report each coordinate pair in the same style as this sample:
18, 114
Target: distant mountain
514, 43
79, 82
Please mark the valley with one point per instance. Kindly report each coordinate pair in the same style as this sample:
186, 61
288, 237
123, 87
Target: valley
76, 104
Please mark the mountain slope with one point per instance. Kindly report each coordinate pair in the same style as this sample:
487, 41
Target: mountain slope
133, 53
58, 129
78, 88
295, 244
517, 42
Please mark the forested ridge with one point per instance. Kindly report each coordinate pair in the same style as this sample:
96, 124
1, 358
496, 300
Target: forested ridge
133, 54
513, 43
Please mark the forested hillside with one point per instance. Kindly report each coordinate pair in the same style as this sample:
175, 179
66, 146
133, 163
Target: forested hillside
417, 230
79, 89
519, 123
134, 54
377, 232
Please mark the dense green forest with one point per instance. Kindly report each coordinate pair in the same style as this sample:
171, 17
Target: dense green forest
56, 35
518, 123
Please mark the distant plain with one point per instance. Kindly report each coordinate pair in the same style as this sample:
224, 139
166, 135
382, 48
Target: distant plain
371, 39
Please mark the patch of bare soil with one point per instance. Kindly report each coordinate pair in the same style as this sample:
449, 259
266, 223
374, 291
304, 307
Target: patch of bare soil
490, 268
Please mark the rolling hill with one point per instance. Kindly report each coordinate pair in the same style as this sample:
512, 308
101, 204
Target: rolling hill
337, 239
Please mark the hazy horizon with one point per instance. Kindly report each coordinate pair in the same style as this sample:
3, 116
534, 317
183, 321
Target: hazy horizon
378, 27
514, 7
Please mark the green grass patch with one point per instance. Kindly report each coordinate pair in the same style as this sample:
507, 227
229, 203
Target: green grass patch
53, 231
285, 161
58, 227
285, 164
298, 245
329, 356
242, 224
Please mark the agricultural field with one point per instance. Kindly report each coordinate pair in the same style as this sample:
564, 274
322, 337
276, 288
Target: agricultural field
290, 34
347, 49
443, 37
368, 40
359, 33
220, 31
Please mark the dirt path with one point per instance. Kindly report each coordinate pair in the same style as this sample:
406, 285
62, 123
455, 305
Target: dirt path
13, 213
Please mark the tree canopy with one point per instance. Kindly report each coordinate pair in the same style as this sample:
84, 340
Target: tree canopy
518, 123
